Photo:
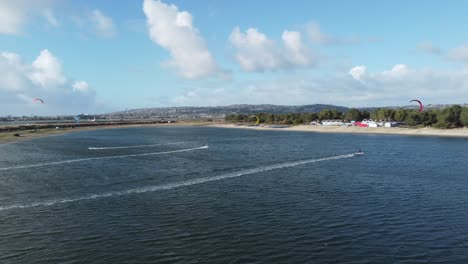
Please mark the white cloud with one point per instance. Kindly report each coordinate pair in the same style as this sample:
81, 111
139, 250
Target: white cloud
47, 71
297, 53
174, 31
10, 65
102, 24
20, 82
370, 89
15, 14
357, 72
256, 52
81, 86
398, 71
318, 37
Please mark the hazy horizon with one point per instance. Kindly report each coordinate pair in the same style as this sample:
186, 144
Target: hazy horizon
93, 57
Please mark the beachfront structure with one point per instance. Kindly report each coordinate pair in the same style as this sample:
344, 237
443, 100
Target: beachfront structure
392, 124
315, 123
367, 123
372, 123
335, 122
363, 123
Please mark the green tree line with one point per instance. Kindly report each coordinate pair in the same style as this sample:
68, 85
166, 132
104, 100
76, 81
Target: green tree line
449, 117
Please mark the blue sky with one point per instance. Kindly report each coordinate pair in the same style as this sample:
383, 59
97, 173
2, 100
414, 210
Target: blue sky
100, 56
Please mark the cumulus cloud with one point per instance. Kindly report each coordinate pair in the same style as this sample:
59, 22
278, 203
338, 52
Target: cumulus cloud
398, 71
10, 65
296, 51
81, 86
14, 15
102, 24
21, 82
174, 31
357, 72
256, 52
47, 71
392, 87
317, 36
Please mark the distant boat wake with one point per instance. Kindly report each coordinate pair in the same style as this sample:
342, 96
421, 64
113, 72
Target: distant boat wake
137, 146
169, 186
162, 144
98, 158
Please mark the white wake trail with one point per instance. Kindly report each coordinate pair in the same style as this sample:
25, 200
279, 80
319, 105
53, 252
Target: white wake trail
138, 146
97, 158
169, 186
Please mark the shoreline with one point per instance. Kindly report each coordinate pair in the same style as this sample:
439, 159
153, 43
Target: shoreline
435, 132
9, 138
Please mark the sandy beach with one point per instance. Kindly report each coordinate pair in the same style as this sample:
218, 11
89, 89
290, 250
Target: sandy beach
456, 132
9, 137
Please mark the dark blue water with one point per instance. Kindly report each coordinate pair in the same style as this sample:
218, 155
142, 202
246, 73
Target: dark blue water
250, 197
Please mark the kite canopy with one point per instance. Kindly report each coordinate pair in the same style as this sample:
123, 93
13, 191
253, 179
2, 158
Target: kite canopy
38, 100
258, 119
421, 107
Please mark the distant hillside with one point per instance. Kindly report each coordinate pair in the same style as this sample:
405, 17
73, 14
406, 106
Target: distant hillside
219, 111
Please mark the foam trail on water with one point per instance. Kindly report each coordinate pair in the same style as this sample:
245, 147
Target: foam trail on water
137, 146
98, 158
169, 186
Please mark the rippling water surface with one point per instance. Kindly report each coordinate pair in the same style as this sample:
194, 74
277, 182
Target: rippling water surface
208, 195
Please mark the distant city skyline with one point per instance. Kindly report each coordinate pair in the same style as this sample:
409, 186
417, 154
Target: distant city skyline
96, 57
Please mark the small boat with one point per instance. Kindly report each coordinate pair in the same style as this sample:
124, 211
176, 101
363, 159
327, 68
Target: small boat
359, 152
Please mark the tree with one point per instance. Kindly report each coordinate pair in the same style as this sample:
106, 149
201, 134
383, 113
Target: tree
400, 115
413, 118
429, 118
337, 114
269, 118
353, 115
308, 117
464, 116
325, 114
374, 115
365, 115
386, 114
449, 117
298, 121
455, 114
